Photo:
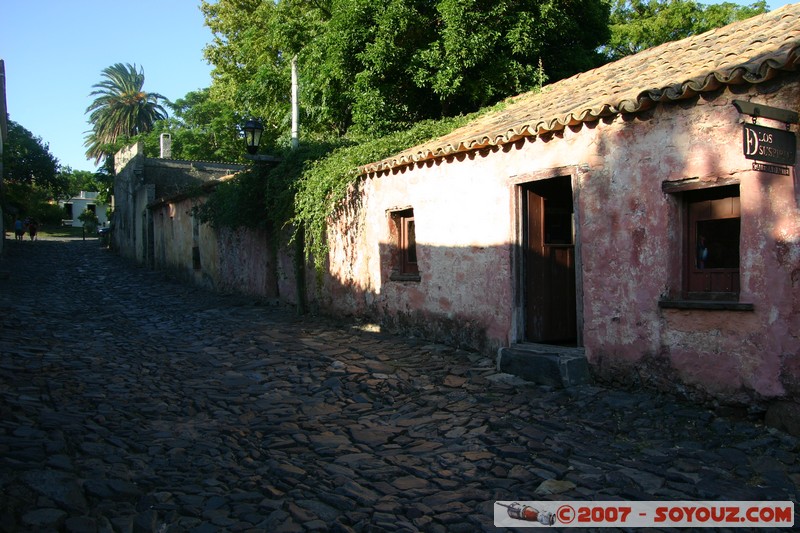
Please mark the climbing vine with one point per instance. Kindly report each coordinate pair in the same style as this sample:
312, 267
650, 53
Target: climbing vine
309, 183
261, 196
324, 182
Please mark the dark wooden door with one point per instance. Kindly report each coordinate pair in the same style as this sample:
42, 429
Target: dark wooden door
551, 315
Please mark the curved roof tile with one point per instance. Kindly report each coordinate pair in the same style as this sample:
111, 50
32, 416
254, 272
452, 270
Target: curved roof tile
750, 51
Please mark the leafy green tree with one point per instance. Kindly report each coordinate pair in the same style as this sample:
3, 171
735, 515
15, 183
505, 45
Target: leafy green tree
207, 128
27, 160
375, 66
718, 15
201, 128
251, 67
486, 51
361, 63
640, 24
90, 220
31, 176
84, 180
121, 109
28, 163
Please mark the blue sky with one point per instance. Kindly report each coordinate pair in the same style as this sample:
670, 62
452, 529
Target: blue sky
54, 51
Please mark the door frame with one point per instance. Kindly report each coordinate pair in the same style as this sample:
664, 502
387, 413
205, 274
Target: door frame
519, 182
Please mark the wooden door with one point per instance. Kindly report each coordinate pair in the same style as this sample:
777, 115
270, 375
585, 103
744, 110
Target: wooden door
551, 315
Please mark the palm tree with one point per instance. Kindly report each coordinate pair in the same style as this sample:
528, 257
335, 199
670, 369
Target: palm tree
121, 109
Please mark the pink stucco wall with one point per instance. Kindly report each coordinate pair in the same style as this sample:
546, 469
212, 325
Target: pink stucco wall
629, 247
464, 235
230, 260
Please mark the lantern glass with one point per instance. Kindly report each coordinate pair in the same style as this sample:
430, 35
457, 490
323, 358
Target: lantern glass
252, 135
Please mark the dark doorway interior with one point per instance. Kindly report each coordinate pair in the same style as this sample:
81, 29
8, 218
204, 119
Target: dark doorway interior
549, 262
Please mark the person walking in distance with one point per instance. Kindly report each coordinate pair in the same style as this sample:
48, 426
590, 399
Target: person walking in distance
19, 229
33, 227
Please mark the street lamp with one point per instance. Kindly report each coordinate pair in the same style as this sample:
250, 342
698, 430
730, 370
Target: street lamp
252, 135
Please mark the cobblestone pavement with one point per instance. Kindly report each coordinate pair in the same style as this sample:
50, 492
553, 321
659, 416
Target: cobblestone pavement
130, 402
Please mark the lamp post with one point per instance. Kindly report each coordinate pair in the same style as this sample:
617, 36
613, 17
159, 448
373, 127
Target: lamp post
252, 135
252, 138
253, 128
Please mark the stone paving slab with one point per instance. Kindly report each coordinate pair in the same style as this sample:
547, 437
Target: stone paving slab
130, 402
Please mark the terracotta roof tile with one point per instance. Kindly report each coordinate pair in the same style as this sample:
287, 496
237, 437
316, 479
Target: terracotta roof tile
749, 51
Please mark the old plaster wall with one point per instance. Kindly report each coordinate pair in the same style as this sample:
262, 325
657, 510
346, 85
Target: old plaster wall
247, 261
176, 176
629, 249
143, 224
463, 232
175, 239
632, 248
227, 260
738, 354
139, 181
129, 166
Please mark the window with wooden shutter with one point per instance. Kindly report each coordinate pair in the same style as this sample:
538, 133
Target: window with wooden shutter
404, 257
711, 257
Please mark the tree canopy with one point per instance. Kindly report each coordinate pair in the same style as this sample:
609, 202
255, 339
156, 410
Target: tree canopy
640, 24
31, 177
375, 66
121, 109
201, 128
372, 72
27, 161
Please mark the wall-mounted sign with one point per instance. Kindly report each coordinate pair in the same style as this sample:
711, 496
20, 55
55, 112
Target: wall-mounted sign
769, 144
771, 169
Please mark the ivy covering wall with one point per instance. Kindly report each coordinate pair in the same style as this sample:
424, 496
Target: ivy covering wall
309, 183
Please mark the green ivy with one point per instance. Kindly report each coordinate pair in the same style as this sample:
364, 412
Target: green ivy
239, 202
261, 196
309, 184
323, 186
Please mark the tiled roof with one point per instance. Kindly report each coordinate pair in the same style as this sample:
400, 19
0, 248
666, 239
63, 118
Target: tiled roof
749, 51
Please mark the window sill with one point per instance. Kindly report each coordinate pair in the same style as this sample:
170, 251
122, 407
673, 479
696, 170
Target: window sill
396, 276
707, 305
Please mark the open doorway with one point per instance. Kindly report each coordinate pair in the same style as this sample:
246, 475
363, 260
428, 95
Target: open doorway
549, 292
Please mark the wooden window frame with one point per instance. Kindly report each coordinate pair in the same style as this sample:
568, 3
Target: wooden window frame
715, 282
716, 287
404, 258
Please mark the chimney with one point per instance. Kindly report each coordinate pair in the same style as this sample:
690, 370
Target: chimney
166, 146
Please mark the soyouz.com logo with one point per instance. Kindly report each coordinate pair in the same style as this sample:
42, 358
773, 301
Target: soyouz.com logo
643, 514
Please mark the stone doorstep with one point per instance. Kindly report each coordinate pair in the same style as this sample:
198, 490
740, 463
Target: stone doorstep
556, 366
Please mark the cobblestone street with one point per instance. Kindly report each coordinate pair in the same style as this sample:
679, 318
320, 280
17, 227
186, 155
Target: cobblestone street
133, 403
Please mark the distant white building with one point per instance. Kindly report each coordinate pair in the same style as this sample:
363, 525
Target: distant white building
78, 204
